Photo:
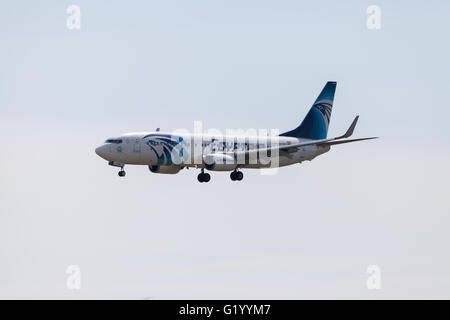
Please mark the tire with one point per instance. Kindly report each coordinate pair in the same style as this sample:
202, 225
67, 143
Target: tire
122, 173
206, 177
200, 177
239, 176
233, 176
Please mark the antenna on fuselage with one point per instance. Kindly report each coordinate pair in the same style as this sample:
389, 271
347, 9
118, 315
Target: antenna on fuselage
157, 129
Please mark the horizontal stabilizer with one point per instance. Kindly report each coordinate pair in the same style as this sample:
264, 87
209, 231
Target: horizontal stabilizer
330, 143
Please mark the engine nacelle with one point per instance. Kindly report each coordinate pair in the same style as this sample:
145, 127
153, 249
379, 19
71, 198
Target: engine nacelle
219, 162
165, 169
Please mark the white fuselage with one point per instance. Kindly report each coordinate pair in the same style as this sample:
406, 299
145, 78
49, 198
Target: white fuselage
168, 153
191, 150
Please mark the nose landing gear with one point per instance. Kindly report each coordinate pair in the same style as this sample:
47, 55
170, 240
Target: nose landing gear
236, 175
119, 165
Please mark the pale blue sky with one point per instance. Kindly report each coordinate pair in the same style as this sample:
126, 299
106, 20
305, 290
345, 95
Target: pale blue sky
308, 232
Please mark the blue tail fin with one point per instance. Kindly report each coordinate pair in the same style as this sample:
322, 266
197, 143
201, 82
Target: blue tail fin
315, 124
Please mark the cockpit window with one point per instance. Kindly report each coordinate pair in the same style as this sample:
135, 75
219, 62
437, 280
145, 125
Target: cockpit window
116, 141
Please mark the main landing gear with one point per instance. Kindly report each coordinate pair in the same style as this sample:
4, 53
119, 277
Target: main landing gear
203, 177
236, 175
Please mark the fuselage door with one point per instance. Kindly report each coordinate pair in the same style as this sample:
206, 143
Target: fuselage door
137, 145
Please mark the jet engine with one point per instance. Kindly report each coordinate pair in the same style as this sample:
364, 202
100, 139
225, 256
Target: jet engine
165, 169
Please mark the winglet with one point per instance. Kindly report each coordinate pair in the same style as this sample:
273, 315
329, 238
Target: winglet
350, 129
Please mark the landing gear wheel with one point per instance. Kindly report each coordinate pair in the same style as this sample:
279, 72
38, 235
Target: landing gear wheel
122, 173
236, 176
203, 177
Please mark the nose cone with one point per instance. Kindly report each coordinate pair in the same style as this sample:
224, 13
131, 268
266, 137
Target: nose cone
102, 151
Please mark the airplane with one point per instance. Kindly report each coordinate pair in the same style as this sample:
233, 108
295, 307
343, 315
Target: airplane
168, 153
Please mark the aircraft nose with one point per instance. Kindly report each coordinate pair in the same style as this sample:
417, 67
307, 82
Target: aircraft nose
102, 151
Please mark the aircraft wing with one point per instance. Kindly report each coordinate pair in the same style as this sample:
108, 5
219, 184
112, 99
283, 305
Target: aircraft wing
291, 148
